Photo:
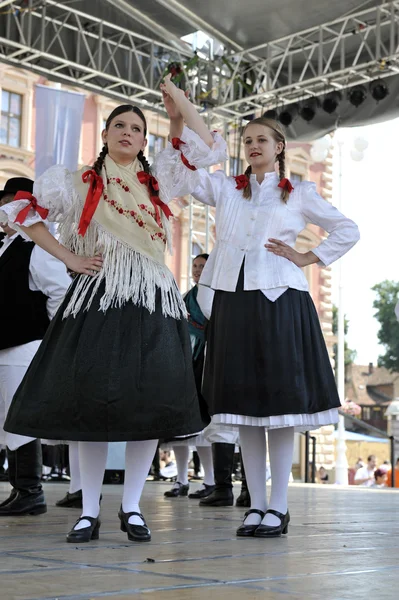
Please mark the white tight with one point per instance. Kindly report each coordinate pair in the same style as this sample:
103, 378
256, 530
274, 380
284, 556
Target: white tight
182, 454
253, 448
93, 458
74, 467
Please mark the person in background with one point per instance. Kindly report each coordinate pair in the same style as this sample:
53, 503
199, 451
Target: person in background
323, 475
196, 327
365, 475
32, 285
380, 479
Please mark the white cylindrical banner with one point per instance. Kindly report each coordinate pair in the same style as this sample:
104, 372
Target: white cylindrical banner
59, 116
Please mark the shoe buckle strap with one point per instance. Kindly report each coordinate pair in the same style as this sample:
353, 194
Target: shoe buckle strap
256, 511
277, 514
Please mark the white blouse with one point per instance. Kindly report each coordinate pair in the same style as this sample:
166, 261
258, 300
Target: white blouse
244, 226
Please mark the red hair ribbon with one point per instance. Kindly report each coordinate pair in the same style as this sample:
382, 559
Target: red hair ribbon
176, 143
96, 188
150, 181
241, 181
43, 212
286, 184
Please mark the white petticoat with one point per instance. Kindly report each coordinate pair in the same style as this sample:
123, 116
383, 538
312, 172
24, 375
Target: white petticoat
302, 422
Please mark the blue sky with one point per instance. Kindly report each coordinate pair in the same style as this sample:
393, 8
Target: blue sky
370, 196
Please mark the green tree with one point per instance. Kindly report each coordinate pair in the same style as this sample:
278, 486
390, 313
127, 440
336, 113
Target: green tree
388, 334
350, 355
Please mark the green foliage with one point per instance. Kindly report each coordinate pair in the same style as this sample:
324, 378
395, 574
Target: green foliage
388, 334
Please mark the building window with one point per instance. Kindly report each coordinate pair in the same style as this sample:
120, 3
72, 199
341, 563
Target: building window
295, 178
11, 114
156, 143
366, 413
235, 166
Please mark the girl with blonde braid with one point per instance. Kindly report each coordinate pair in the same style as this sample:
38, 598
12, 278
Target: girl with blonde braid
267, 366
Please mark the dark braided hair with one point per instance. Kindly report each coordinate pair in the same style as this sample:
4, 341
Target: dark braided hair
247, 193
147, 169
204, 256
120, 110
98, 165
279, 136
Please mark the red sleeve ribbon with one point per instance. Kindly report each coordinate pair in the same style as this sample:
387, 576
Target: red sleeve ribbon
43, 212
176, 143
92, 199
150, 181
286, 184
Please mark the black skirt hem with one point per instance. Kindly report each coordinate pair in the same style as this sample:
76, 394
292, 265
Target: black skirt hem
110, 436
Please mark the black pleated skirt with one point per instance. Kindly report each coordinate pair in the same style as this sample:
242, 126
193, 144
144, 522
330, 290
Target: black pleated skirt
122, 375
267, 360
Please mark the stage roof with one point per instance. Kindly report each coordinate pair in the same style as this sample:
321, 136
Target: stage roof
258, 54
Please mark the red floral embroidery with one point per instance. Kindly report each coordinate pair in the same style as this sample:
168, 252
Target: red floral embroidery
137, 217
241, 181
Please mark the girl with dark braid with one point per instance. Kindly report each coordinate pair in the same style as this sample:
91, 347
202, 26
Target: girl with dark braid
116, 362
267, 365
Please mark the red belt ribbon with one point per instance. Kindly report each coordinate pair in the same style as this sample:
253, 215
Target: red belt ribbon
43, 212
92, 199
176, 143
153, 185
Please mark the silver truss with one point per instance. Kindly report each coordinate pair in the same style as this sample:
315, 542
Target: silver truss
67, 45
343, 53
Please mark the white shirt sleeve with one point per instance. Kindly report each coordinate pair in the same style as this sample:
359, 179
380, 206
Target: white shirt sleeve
49, 276
343, 233
175, 178
54, 192
209, 186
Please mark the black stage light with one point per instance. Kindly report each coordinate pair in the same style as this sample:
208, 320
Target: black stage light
308, 109
331, 101
357, 95
379, 89
288, 114
270, 114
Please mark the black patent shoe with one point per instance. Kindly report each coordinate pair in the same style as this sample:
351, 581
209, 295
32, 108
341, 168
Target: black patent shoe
22, 504
135, 533
79, 536
272, 531
249, 530
10, 498
179, 489
219, 497
204, 493
73, 500
244, 499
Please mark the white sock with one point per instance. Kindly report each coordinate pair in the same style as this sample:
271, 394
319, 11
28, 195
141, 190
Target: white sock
182, 455
139, 457
92, 461
74, 469
253, 449
205, 455
281, 449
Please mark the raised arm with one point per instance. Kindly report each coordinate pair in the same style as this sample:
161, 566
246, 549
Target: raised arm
181, 110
